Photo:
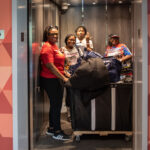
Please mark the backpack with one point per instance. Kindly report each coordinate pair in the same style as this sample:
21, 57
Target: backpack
86, 55
91, 54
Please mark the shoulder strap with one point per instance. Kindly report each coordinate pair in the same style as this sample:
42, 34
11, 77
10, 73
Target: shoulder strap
78, 50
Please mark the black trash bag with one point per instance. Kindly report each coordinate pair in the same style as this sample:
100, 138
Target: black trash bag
91, 75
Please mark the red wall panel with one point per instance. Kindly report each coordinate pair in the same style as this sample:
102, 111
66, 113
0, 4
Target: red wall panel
148, 74
6, 123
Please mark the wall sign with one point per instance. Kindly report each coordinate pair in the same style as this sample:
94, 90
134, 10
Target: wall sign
1, 34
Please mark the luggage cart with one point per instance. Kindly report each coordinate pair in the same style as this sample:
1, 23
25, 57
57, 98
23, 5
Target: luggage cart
109, 113
77, 134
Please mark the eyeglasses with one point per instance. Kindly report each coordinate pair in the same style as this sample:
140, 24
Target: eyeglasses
72, 40
52, 34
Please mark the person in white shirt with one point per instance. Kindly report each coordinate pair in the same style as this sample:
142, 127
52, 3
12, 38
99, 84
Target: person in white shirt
72, 54
83, 39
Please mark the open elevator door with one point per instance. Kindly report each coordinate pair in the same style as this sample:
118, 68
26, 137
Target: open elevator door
43, 13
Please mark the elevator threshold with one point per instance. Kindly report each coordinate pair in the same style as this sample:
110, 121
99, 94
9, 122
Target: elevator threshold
94, 141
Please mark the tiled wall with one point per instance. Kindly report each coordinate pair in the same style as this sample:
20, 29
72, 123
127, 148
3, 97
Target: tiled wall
6, 76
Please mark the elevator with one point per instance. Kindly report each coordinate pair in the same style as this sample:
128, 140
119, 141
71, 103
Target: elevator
101, 18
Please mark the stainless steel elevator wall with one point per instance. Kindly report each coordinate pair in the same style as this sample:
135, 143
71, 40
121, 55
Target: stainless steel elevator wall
100, 23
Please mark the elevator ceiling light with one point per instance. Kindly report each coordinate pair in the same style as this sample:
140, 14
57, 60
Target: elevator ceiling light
94, 2
120, 2
65, 6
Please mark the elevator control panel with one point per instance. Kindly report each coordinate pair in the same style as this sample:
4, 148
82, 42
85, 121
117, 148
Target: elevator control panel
22, 36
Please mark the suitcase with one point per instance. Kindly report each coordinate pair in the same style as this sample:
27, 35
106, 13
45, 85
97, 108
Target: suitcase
110, 111
123, 113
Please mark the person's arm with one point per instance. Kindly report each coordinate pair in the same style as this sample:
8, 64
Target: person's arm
124, 58
89, 44
106, 51
127, 54
67, 64
67, 74
56, 72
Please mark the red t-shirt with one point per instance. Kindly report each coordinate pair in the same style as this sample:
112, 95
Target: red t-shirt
51, 54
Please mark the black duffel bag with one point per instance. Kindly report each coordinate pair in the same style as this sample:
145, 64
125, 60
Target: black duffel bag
114, 67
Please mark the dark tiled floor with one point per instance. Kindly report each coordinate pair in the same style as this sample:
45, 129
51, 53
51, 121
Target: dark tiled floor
87, 142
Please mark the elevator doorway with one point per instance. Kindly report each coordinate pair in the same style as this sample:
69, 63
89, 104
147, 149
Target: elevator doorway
101, 19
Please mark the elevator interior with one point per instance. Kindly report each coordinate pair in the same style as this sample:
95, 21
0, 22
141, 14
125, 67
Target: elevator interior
101, 18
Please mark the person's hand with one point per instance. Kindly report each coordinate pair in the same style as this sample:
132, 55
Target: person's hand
61, 50
66, 79
89, 49
67, 74
120, 59
87, 37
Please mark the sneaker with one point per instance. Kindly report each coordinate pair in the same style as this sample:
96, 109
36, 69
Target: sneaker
61, 136
50, 132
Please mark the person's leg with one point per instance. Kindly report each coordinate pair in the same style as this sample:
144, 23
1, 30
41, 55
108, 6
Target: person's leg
55, 93
58, 133
57, 104
49, 86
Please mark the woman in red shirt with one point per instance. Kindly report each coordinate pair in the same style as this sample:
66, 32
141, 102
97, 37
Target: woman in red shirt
52, 62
